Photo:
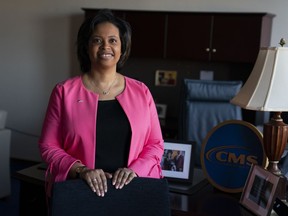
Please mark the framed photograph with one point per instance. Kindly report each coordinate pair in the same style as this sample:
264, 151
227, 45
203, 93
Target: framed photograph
260, 191
165, 78
177, 161
161, 110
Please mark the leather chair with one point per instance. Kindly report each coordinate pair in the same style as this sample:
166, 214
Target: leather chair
143, 196
203, 105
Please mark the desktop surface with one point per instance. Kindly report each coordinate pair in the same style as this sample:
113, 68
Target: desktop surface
201, 200
198, 181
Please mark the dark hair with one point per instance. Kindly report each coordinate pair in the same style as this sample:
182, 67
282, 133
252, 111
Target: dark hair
86, 30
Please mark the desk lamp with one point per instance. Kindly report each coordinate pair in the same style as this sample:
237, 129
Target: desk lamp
266, 89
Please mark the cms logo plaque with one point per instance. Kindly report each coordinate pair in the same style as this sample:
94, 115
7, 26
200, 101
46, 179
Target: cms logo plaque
232, 156
229, 151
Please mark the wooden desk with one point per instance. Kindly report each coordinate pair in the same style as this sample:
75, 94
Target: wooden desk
33, 175
207, 202
32, 191
204, 202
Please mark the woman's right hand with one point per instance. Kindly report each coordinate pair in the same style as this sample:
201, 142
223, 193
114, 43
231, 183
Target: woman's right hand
96, 179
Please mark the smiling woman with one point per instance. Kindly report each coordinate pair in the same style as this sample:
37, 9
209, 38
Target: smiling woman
93, 140
104, 46
86, 36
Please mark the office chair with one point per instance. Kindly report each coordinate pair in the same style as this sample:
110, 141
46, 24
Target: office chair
203, 105
142, 196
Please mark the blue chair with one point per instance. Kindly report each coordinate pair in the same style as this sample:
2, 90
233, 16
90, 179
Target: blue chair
203, 105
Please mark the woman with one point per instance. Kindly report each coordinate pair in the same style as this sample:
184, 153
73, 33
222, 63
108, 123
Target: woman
102, 125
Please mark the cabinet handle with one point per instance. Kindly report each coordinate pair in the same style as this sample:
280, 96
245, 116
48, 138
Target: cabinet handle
214, 50
207, 50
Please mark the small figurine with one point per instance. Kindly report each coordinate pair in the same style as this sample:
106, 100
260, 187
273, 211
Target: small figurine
282, 42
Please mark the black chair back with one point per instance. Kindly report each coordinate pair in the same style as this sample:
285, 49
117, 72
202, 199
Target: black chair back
143, 196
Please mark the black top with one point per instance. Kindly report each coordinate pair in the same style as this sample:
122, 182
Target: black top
113, 136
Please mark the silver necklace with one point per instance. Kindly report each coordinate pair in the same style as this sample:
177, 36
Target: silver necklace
103, 91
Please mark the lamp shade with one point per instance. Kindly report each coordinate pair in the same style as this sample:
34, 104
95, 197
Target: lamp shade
267, 86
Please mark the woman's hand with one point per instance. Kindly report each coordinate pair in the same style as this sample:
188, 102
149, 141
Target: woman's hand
123, 176
96, 179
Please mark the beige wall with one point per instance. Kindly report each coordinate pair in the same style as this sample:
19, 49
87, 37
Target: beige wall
37, 50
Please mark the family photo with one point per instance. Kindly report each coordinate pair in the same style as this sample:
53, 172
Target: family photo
173, 160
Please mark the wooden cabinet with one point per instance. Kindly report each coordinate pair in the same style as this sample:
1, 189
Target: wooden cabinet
238, 37
148, 33
188, 36
216, 37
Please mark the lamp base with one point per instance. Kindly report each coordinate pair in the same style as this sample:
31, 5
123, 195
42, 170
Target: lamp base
275, 138
273, 167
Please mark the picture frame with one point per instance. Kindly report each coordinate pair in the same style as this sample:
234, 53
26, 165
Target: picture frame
161, 110
260, 191
165, 78
178, 161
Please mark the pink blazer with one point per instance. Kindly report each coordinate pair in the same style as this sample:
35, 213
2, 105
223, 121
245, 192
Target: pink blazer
68, 133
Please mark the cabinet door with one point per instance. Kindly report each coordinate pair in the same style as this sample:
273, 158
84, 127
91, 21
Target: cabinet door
188, 36
236, 37
148, 33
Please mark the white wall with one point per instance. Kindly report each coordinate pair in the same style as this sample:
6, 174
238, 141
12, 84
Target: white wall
37, 50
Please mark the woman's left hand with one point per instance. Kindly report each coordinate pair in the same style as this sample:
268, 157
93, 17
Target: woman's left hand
123, 176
